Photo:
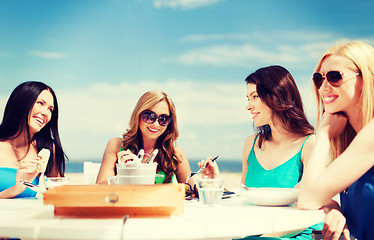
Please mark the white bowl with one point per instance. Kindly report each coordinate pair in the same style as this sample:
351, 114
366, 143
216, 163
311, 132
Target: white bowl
271, 196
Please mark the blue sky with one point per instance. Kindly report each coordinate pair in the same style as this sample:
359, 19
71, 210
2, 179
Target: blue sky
101, 55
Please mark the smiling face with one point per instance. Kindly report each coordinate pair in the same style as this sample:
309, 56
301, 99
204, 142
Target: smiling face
152, 131
41, 112
346, 97
261, 113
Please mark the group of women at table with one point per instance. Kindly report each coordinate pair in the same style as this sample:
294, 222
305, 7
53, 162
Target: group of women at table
336, 157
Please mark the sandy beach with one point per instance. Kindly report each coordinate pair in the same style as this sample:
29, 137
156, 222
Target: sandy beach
232, 179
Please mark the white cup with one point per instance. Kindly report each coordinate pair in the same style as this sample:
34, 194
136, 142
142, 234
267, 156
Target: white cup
137, 173
210, 190
90, 172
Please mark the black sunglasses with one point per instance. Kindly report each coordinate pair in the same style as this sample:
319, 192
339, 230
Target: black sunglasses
335, 78
150, 117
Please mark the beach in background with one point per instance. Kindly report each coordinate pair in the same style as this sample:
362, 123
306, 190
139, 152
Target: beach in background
229, 170
232, 179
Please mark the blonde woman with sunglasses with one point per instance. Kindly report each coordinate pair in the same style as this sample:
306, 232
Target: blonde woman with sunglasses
153, 125
342, 159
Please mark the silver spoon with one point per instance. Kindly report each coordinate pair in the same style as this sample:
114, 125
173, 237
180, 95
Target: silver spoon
153, 155
34, 187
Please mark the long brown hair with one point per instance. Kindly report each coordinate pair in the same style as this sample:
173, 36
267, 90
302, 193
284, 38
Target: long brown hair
361, 55
15, 120
132, 138
277, 89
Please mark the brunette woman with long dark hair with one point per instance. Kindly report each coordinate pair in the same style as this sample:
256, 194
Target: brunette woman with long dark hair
276, 154
30, 123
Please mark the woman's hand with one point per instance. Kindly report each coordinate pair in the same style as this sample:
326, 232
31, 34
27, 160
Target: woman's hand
27, 170
333, 124
335, 225
211, 171
125, 156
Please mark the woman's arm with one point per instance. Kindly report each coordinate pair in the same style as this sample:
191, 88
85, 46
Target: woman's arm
184, 168
248, 143
27, 171
12, 191
109, 160
321, 180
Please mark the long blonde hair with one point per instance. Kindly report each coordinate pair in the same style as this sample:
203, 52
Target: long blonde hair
361, 55
132, 138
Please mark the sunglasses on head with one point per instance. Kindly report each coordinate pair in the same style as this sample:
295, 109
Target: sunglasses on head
335, 78
150, 117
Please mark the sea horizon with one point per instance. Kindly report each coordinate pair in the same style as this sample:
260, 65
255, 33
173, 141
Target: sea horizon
225, 165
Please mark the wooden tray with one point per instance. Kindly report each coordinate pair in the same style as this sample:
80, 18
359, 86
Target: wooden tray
116, 201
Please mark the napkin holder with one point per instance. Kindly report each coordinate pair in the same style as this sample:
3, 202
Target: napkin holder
116, 201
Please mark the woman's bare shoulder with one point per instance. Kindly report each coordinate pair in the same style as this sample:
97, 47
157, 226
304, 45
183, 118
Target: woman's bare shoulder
179, 152
249, 140
115, 141
309, 143
307, 149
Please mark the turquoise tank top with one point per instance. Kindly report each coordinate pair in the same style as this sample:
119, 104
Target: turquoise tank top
286, 175
8, 179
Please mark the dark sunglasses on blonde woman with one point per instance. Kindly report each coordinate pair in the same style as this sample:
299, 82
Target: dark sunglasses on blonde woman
335, 78
150, 117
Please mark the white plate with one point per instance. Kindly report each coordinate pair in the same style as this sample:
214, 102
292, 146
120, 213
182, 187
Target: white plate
270, 196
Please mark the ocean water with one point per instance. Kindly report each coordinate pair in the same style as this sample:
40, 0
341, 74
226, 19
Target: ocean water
224, 166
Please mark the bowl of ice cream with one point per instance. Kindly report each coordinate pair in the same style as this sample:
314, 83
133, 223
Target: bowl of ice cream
136, 169
134, 172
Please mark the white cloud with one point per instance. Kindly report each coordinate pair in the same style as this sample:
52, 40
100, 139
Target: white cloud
3, 100
241, 55
183, 4
295, 48
309, 101
207, 114
288, 36
49, 55
211, 117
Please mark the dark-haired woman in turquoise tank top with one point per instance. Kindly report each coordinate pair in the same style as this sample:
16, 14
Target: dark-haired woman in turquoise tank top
275, 155
286, 175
